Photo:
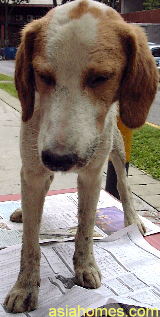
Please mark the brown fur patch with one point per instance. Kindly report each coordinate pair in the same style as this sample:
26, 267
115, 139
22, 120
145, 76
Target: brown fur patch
122, 49
82, 9
140, 78
107, 57
44, 75
33, 42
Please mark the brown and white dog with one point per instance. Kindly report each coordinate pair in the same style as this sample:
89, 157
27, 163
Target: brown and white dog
72, 67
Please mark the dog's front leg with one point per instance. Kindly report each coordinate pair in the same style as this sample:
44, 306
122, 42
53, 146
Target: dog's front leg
86, 270
130, 214
24, 294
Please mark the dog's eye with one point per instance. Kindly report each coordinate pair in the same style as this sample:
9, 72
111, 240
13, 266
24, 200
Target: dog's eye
47, 79
96, 80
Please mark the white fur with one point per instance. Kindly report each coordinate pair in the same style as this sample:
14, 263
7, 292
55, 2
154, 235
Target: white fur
63, 44
68, 55
69, 114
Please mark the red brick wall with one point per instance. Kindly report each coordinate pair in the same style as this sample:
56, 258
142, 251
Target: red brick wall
147, 16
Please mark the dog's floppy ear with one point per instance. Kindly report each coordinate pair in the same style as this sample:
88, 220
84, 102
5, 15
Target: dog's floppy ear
139, 83
24, 74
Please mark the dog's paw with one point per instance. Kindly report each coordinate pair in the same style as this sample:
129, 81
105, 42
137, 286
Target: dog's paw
88, 276
21, 299
137, 221
16, 216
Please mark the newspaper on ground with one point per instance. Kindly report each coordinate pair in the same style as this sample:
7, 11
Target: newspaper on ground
59, 220
130, 270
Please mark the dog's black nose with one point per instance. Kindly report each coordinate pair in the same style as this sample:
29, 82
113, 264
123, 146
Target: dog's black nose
57, 162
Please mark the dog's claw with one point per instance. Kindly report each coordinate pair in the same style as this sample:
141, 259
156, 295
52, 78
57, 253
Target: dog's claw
141, 227
136, 221
88, 276
16, 216
21, 299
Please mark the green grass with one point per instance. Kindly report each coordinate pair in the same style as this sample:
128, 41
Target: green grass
5, 77
146, 150
10, 88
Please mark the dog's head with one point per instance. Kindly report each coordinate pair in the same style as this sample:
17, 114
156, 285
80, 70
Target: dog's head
81, 58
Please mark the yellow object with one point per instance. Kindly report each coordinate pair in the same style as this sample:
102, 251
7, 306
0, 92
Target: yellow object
153, 125
127, 138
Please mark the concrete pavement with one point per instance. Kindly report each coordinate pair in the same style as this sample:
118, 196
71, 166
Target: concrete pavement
7, 67
146, 189
154, 113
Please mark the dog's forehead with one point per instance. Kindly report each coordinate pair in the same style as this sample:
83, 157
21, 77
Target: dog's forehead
76, 9
73, 29
81, 30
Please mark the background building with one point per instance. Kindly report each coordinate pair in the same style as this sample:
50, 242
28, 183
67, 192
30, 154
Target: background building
131, 5
19, 15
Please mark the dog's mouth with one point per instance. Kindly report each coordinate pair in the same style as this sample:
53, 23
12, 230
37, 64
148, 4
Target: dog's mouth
61, 163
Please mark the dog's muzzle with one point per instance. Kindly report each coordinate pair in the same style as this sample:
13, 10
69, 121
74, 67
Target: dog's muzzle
62, 163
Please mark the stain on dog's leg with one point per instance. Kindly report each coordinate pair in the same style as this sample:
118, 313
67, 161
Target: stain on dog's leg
86, 269
24, 294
